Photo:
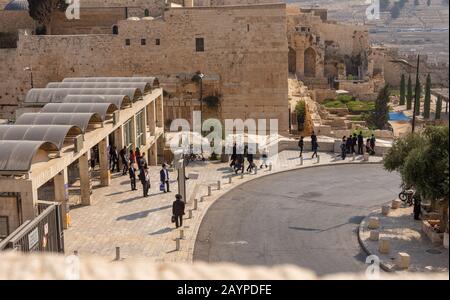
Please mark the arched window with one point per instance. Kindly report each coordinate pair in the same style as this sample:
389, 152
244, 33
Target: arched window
310, 63
115, 29
146, 13
292, 59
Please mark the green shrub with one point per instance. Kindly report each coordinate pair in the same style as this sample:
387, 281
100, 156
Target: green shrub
345, 98
334, 104
358, 106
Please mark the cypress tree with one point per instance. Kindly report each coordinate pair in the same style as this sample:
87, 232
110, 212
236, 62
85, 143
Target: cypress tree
427, 101
402, 90
438, 108
409, 96
418, 93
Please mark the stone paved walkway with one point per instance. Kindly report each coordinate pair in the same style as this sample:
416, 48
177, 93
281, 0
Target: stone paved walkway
405, 235
142, 228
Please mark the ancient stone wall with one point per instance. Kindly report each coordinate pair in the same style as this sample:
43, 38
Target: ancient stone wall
13, 83
12, 21
334, 44
242, 45
92, 21
155, 7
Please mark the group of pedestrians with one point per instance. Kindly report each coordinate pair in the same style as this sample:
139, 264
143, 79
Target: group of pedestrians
135, 164
314, 145
349, 144
238, 160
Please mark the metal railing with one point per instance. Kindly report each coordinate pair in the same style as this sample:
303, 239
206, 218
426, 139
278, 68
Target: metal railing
43, 234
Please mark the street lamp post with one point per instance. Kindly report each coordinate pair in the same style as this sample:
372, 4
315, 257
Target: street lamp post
417, 90
199, 76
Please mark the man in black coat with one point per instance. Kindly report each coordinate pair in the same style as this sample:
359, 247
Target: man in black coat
313, 140
301, 144
360, 143
132, 172
178, 210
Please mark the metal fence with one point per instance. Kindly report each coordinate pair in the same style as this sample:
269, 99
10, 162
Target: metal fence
43, 234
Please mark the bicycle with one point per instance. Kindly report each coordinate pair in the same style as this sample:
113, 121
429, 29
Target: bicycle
407, 196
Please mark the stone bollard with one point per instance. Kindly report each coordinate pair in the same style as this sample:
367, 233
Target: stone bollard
366, 156
242, 176
202, 198
270, 168
318, 159
181, 234
354, 156
374, 235
385, 210
384, 245
190, 214
117, 254
374, 223
218, 185
256, 170
396, 203
230, 179
403, 260
195, 204
209, 191
177, 244
301, 160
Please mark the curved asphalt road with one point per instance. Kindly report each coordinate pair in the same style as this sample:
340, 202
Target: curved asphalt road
306, 217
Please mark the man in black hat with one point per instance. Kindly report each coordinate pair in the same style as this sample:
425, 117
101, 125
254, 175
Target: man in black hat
178, 210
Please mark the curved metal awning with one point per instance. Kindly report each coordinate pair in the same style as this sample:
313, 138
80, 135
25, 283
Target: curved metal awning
153, 81
143, 86
120, 101
103, 109
82, 120
57, 95
55, 134
17, 156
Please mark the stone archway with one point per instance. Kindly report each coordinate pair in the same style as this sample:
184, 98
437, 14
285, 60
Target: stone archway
310, 62
292, 60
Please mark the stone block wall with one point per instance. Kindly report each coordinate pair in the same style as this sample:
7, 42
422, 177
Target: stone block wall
92, 21
12, 21
244, 46
136, 7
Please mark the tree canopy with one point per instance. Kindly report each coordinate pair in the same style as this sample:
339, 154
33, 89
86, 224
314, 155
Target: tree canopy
379, 117
423, 162
41, 10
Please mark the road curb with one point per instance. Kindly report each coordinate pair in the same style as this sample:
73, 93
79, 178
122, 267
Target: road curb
205, 211
361, 227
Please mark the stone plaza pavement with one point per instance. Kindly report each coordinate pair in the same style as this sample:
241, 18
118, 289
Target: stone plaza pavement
142, 227
405, 235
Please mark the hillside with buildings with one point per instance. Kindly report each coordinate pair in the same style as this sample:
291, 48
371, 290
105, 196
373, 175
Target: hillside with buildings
415, 27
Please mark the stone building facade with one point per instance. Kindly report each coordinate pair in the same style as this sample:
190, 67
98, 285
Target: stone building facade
239, 48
